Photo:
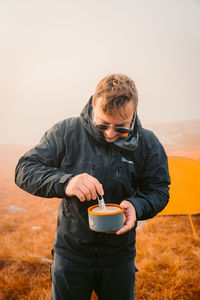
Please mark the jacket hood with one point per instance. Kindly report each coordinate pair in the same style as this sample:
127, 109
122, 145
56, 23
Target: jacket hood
130, 143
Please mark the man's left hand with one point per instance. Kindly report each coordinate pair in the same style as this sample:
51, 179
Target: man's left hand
130, 217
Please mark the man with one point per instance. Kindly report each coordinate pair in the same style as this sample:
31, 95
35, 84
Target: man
105, 151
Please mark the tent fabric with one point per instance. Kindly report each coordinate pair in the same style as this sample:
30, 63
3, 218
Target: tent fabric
184, 188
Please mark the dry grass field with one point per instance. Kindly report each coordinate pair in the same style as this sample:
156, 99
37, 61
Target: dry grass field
168, 254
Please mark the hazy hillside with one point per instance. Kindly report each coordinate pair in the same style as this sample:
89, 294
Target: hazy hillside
177, 135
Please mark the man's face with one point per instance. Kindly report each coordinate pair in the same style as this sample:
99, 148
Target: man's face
120, 118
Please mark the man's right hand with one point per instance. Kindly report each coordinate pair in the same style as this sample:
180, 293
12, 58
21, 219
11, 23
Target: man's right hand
84, 186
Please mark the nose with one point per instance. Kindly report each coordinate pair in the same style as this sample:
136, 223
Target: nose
110, 132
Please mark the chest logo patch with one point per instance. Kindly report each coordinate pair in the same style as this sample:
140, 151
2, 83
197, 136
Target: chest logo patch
127, 161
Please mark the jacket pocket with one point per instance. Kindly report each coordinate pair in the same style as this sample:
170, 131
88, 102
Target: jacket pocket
125, 180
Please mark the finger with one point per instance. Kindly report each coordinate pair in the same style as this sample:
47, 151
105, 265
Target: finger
128, 225
129, 222
93, 191
100, 190
89, 185
85, 189
125, 205
98, 186
124, 229
80, 195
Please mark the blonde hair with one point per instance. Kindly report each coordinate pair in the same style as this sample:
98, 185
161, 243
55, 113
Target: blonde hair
116, 90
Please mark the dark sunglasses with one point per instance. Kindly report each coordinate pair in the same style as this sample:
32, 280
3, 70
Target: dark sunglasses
118, 129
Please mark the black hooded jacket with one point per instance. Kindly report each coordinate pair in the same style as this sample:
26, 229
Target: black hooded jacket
133, 169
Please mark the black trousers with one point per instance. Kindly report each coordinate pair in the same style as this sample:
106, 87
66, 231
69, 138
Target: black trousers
74, 281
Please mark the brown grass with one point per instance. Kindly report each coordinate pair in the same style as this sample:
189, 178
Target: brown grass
168, 255
168, 259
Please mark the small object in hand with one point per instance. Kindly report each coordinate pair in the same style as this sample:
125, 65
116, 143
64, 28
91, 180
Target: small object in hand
101, 202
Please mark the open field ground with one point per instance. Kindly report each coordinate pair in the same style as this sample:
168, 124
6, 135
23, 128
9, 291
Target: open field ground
168, 254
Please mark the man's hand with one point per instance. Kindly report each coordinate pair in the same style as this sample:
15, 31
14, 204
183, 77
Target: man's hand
84, 186
130, 217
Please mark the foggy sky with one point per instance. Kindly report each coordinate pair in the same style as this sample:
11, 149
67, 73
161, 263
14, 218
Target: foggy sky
53, 53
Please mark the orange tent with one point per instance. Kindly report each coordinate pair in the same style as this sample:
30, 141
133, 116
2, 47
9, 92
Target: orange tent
185, 187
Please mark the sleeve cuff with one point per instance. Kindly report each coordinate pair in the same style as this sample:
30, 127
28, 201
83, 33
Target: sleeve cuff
64, 181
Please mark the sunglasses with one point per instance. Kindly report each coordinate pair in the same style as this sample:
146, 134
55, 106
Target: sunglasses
118, 129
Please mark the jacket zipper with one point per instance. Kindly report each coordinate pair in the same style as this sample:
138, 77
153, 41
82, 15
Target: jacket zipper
106, 165
119, 171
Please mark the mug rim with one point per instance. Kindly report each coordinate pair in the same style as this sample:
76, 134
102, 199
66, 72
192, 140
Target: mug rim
105, 214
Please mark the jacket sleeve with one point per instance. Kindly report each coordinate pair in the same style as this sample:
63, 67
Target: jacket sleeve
38, 171
152, 193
